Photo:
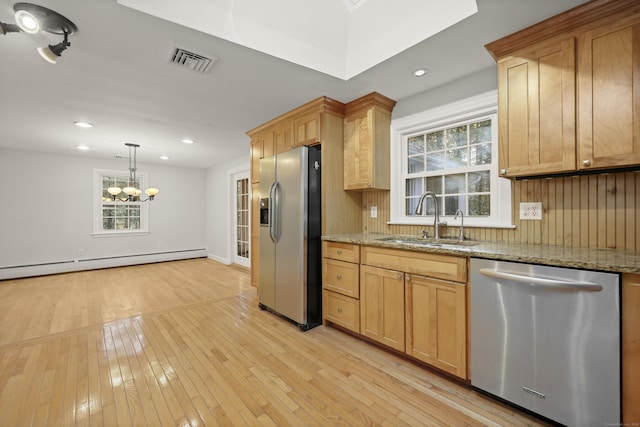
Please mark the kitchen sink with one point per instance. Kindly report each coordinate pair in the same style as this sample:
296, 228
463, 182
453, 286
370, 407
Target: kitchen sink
432, 243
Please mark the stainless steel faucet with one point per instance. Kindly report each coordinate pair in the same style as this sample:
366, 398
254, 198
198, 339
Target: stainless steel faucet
459, 211
436, 218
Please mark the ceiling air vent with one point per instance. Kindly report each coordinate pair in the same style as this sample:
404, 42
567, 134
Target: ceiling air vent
192, 61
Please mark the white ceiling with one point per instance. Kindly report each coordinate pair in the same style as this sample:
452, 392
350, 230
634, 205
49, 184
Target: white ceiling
117, 75
331, 36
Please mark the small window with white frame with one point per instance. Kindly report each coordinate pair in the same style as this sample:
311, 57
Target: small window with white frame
450, 151
115, 214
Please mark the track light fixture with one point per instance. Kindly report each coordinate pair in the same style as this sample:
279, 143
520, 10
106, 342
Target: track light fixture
32, 18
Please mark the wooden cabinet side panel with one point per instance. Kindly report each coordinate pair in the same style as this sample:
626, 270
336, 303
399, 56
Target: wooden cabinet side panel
630, 348
341, 210
382, 150
256, 155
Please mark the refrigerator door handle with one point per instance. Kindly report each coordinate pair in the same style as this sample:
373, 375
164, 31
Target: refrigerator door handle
273, 231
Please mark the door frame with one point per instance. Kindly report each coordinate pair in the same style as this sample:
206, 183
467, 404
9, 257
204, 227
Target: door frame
234, 176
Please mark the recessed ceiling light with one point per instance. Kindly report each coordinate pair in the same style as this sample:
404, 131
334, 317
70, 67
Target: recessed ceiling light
164, 157
83, 124
82, 147
188, 141
420, 72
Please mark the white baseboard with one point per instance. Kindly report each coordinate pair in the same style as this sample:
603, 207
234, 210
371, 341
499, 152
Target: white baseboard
67, 266
221, 260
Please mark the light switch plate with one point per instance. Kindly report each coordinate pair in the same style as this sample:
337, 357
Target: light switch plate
374, 212
531, 210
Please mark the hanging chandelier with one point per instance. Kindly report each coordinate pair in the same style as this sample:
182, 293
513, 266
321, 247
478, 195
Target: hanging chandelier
131, 191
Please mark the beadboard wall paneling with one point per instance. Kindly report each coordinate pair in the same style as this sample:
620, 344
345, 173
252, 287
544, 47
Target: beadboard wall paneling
595, 211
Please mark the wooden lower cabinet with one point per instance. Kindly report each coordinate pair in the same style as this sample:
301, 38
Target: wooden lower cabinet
341, 310
436, 323
382, 306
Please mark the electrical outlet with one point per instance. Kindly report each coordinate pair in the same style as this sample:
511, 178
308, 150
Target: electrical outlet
374, 212
531, 210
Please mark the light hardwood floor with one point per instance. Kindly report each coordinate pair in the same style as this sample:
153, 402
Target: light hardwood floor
184, 343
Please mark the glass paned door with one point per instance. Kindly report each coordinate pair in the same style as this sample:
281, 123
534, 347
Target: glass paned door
241, 222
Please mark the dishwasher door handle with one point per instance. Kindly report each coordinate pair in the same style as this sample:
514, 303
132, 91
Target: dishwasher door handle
540, 281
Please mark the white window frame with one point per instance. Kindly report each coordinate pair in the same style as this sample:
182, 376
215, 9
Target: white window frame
143, 178
478, 106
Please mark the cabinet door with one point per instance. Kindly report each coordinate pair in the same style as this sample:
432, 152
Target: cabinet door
436, 323
283, 138
382, 306
609, 95
536, 110
307, 129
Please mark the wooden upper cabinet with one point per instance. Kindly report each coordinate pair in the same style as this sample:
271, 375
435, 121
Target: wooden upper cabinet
609, 95
569, 91
536, 110
261, 146
307, 129
366, 143
283, 138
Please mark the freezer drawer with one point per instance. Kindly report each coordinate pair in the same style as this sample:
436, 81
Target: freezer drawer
547, 339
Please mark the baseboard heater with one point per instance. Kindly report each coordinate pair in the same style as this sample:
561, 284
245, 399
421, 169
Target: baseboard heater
66, 266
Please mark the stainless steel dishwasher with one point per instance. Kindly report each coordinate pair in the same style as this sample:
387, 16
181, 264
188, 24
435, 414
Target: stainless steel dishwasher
547, 339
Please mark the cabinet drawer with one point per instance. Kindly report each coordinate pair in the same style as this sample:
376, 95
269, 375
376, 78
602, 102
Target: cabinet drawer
445, 267
341, 251
342, 310
341, 277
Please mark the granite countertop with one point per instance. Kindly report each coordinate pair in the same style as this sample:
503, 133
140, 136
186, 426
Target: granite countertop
584, 258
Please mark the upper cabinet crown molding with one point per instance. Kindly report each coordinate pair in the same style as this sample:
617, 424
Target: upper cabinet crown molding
578, 18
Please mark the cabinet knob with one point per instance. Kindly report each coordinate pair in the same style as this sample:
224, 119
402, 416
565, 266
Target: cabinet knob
586, 163
339, 276
339, 251
339, 309
503, 171
369, 184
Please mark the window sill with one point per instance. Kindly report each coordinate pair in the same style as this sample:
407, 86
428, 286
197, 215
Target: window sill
101, 234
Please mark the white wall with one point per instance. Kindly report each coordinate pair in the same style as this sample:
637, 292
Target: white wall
46, 214
219, 208
481, 82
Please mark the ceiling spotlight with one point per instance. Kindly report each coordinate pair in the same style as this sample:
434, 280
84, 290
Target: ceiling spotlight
164, 157
419, 72
32, 19
82, 147
83, 124
27, 21
188, 141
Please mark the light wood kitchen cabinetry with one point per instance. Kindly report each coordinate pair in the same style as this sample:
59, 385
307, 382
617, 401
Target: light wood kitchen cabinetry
609, 95
307, 129
341, 285
436, 323
382, 306
414, 302
536, 108
630, 348
317, 122
261, 147
560, 114
366, 143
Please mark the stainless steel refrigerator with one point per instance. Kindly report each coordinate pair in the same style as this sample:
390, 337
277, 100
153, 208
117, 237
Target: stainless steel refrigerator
290, 228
